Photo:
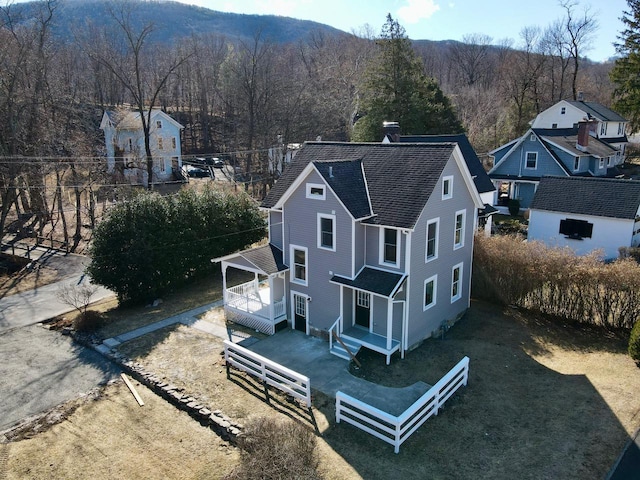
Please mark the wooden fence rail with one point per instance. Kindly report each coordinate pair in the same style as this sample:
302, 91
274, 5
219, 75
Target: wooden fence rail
395, 430
271, 373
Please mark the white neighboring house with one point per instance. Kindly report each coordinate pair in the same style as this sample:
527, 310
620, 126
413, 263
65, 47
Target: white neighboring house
586, 214
608, 126
124, 140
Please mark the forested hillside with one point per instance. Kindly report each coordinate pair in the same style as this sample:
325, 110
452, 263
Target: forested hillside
239, 84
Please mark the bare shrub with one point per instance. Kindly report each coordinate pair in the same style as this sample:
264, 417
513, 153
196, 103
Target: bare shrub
557, 282
90, 321
77, 296
276, 449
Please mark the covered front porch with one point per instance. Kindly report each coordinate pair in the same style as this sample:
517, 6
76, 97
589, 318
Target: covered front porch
259, 304
372, 314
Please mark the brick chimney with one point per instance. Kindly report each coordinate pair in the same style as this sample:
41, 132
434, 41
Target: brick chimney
392, 131
583, 135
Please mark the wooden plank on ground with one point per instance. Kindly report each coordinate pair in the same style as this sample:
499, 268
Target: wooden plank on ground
133, 390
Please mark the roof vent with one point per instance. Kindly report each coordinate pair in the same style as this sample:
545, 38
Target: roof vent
330, 171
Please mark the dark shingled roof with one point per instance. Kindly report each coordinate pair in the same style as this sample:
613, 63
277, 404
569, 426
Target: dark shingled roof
346, 180
400, 177
373, 280
601, 197
598, 111
480, 177
267, 259
595, 147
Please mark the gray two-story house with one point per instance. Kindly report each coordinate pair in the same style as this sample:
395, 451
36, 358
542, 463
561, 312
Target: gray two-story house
368, 243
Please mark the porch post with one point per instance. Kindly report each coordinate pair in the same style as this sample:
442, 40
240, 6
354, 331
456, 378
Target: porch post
224, 283
389, 322
341, 324
271, 311
255, 282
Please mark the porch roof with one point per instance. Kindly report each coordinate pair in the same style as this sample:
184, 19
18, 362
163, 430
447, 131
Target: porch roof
268, 259
374, 281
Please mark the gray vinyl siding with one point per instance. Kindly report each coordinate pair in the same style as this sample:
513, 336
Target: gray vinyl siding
422, 324
379, 315
359, 247
300, 228
515, 164
275, 228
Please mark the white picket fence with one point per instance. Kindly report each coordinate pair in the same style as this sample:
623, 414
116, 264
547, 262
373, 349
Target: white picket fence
271, 373
395, 430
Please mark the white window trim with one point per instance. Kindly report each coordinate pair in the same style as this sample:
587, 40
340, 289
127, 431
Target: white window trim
160, 143
333, 219
315, 196
174, 143
576, 167
526, 154
456, 246
601, 163
532, 138
460, 282
426, 247
381, 260
448, 178
292, 265
433, 279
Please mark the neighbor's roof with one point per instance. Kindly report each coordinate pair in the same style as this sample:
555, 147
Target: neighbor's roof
598, 111
601, 197
400, 176
596, 147
130, 120
480, 177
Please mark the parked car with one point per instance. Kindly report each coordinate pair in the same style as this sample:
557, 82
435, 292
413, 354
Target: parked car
217, 163
197, 172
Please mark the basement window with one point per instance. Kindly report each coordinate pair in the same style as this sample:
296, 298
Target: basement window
575, 229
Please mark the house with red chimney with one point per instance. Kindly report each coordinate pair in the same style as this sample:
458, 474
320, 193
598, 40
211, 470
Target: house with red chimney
519, 165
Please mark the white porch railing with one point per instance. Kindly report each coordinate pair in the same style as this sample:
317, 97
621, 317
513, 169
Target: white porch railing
335, 328
269, 372
279, 309
395, 430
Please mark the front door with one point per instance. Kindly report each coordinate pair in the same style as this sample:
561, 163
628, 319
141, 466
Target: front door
363, 309
300, 312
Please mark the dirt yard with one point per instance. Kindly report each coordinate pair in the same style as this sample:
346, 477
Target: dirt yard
545, 400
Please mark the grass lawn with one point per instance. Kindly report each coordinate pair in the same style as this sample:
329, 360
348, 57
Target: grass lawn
544, 400
112, 437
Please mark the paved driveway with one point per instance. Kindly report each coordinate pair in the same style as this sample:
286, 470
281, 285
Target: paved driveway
41, 369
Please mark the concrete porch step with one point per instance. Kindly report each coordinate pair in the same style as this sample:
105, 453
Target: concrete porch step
339, 351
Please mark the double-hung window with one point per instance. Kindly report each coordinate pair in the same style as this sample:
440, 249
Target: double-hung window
327, 232
447, 187
430, 289
432, 240
458, 232
456, 282
298, 265
532, 160
389, 251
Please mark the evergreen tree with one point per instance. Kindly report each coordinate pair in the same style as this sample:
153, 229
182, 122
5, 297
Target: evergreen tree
396, 89
626, 72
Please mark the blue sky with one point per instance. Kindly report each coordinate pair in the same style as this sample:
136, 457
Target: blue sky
438, 19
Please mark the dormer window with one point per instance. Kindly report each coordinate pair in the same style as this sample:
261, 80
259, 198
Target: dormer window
316, 191
576, 164
603, 128
621, 128
158, 123
447, 187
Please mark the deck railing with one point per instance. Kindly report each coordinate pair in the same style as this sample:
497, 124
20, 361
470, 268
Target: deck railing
395, 430
279, 309
271, 373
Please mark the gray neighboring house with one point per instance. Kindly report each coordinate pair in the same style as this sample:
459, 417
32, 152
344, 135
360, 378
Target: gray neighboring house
371, 243
586, 214
520, 164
